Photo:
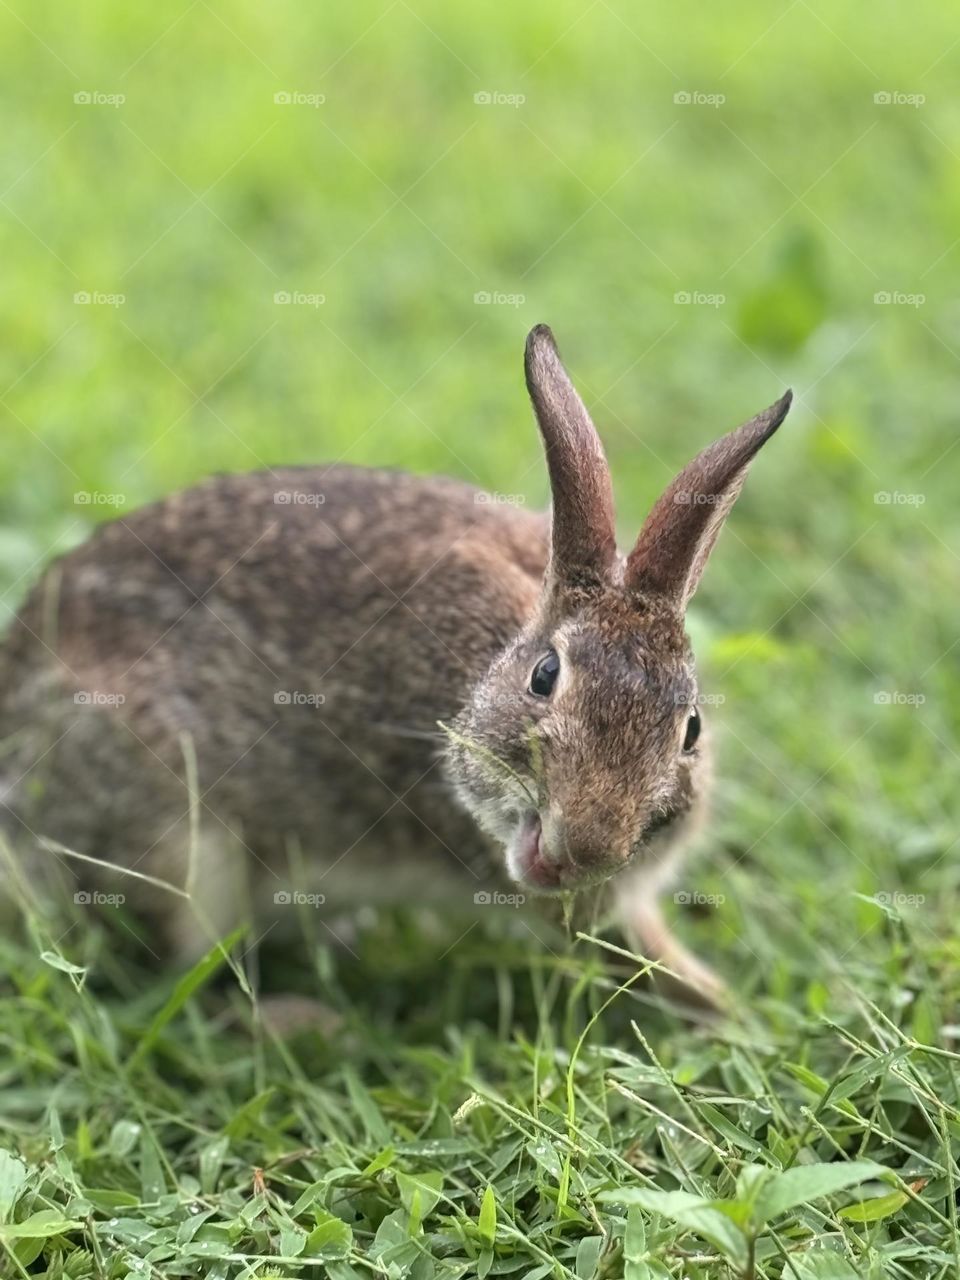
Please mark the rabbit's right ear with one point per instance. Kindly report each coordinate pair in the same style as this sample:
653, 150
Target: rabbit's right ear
583, 541
679, 533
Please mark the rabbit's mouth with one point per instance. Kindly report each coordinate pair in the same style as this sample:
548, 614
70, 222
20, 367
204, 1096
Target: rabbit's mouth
540, 858
528, 859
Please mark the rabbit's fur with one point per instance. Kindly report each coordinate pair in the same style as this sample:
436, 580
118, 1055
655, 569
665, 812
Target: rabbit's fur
257, 668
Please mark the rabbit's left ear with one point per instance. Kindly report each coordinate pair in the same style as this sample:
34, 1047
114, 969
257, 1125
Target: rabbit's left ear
583, 545
680, 531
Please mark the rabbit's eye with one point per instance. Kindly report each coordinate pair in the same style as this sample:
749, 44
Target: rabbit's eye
693, 730
545, 675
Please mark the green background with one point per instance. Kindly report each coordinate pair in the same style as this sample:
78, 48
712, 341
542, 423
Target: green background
789, 196
596, 200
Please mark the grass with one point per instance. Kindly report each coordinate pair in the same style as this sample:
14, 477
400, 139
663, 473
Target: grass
526, 1114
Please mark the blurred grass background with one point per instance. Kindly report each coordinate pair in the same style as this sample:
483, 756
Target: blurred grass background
785, 192
780, 167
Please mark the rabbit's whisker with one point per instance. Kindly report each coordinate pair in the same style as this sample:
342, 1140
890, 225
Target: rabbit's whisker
485, 753
401, 731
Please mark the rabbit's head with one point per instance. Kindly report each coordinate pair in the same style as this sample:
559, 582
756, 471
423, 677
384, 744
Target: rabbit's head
584, 739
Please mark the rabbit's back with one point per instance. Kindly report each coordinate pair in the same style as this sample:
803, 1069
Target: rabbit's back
294, 636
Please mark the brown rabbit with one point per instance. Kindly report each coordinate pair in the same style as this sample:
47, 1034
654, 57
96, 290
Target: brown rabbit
255, 669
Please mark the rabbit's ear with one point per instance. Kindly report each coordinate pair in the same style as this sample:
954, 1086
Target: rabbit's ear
680, 531
583, 541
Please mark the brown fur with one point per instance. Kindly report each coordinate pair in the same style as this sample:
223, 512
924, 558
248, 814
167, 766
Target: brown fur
302, 650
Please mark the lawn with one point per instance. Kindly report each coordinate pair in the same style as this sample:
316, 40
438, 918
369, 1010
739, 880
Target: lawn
248, 235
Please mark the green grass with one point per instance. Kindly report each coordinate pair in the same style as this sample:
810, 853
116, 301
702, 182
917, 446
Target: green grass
506, 1119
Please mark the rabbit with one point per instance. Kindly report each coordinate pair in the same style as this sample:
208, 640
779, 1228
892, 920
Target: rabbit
392, 685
